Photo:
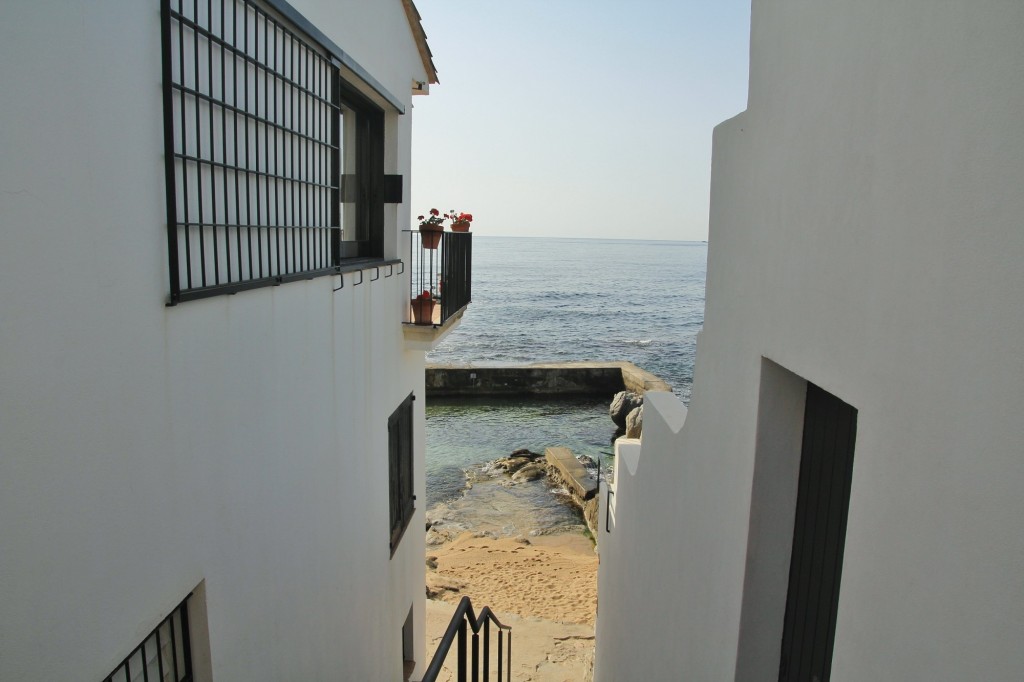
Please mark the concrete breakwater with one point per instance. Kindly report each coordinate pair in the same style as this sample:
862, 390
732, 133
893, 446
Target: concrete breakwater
541, 379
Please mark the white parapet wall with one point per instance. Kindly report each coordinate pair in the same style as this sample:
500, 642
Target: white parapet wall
633, 511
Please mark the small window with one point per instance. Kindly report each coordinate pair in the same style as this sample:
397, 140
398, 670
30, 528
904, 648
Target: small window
400, 469
164, 655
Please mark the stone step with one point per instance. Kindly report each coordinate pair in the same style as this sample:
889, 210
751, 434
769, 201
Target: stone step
574, 474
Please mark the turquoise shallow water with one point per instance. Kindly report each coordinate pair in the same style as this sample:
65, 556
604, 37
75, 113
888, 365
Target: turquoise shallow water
537, 300
464, 435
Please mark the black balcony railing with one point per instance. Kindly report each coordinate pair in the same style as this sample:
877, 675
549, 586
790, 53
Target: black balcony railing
456, 272
464, 620
441, 278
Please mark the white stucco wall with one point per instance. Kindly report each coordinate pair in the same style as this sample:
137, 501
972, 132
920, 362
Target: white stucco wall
865, 236
239, 440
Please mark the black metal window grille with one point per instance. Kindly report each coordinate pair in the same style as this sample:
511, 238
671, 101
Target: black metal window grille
164, 656
260, 131
400, 470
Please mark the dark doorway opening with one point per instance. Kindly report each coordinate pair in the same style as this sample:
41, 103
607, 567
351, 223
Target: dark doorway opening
819, 535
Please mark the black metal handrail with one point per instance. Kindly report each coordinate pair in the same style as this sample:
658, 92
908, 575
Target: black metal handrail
462, 617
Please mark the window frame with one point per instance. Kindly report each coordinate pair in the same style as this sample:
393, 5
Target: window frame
369, 173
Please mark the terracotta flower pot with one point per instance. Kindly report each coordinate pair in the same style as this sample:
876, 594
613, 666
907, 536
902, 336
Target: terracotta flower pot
423, 310
460, 227
431, 235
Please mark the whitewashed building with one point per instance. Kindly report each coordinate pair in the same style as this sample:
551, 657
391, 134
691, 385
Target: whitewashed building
209, 445
843, 498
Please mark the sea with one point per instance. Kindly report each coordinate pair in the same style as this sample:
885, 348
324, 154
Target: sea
554, 300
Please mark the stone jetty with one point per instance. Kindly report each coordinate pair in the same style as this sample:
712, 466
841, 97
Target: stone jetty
542, 379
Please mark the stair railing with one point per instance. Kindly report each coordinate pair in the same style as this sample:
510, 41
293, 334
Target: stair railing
462, 618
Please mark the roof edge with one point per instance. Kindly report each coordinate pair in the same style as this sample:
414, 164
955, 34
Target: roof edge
416, 24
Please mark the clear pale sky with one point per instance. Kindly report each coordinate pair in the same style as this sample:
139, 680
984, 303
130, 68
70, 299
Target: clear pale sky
575, 118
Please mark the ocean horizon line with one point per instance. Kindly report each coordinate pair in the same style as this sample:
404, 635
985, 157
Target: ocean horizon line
592, 239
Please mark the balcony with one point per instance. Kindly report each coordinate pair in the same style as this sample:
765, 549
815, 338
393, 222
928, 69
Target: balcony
440, 286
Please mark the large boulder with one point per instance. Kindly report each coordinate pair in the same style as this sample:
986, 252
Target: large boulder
510, 465
443, 587
623, 403
514, 462
530, 472
439, 536
635, 422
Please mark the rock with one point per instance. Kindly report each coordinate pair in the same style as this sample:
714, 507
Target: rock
510, 465
432, 563
514, 462
438, 586
438, 515
635, 422
530, 472
436, 536
523, 452
622, 404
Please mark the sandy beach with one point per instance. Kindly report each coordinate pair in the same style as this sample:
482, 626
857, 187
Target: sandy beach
544, 587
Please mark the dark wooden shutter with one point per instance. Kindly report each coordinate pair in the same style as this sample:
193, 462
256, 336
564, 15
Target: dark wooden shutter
819, 534
400, 469
394, 454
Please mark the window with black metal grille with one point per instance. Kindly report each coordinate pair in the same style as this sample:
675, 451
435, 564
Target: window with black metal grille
274, 163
